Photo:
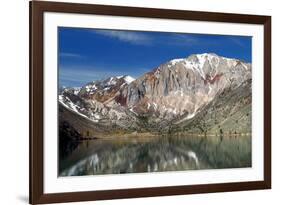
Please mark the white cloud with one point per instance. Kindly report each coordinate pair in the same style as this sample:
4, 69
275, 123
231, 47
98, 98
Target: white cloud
142, 38
184, 38
237, 41
70, 55
127, 36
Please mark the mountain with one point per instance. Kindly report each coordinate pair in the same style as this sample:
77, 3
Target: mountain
96, 101
183, 85
178, 94
104, 91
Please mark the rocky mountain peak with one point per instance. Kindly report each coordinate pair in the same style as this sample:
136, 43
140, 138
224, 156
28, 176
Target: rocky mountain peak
183, 85
176, 89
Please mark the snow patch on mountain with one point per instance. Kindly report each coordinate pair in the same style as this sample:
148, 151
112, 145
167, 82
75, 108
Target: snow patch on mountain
91, 88
128, 79
188, 117
66, 102
175, 61
111, 81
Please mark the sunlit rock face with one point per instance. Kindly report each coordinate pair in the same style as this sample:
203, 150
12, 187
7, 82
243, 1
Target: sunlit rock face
182, 86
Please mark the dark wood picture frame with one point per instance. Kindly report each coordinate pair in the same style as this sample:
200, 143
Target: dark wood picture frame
37, 9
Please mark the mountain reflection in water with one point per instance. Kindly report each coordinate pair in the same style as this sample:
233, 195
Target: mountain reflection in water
154, 154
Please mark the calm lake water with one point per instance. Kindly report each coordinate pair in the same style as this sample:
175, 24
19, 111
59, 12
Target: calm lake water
153, 154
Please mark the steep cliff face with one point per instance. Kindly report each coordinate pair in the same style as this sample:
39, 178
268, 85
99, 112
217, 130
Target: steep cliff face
183, 86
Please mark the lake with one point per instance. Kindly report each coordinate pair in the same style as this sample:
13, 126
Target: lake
118, 155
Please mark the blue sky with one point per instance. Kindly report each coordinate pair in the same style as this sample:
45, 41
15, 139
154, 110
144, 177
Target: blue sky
87, 55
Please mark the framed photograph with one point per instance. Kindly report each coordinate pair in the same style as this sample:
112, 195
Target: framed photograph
138, 102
